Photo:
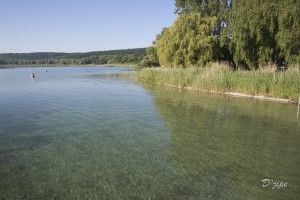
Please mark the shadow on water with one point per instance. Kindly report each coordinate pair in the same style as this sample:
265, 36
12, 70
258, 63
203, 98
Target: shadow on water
228, 145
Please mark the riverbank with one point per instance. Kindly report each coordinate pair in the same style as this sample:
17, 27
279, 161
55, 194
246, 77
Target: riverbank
265, 84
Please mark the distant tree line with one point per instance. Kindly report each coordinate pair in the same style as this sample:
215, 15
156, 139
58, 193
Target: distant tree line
125, 56
245, 33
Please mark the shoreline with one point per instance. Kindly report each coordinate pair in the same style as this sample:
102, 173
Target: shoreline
235, 94
281, 87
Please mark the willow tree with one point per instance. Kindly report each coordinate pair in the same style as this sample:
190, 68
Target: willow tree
189, 41
288, 35
264, 32
206, 8
210, 8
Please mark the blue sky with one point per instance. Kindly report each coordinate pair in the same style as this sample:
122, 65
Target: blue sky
81, 25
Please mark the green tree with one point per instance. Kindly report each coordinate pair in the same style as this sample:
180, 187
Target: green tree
288, 35
264, 32
189, 41
207, 8
210, 8
151, 58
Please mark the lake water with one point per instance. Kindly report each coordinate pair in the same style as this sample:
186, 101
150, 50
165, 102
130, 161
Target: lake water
79, 133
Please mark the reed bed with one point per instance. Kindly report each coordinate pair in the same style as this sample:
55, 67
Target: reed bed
220, 78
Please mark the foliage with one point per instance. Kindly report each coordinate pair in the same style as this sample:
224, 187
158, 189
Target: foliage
264, 32
288, 36
207, 8
126, 56
188, 42
150, 60
249, 34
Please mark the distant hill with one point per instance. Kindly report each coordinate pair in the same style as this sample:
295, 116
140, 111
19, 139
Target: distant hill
123, 56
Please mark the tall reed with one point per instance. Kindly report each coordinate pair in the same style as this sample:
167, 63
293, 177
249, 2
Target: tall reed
220, 78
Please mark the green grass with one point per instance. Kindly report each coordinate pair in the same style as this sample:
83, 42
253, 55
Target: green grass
219, 78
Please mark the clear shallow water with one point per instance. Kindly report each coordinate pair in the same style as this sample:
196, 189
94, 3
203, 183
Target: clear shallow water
75, 133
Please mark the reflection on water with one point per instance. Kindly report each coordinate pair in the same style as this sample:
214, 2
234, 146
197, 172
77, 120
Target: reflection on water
74, 133
230, 145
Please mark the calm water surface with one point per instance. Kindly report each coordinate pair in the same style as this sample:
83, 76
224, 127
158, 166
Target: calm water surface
78, 133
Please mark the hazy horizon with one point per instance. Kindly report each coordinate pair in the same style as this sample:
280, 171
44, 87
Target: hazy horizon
71, 52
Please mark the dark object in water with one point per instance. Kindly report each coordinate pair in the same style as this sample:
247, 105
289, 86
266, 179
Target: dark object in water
281, 65
46, 70
32, 75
